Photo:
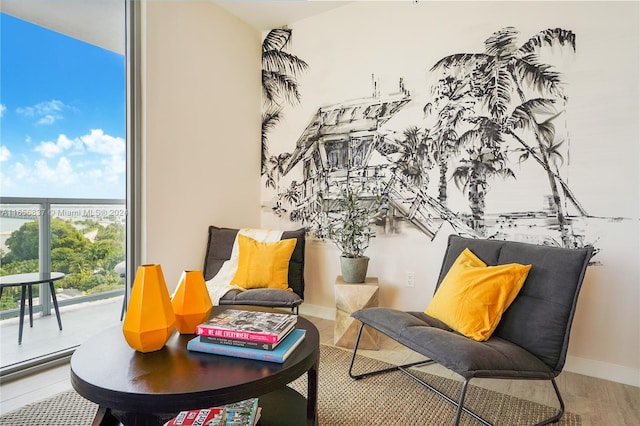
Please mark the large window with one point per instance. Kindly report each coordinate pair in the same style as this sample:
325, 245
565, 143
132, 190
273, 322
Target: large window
65, 142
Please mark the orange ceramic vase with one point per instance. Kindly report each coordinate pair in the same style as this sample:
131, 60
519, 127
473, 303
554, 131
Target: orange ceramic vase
191, 302
150, 320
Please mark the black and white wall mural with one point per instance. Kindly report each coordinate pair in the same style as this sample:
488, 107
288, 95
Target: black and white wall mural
504, 120
488, 120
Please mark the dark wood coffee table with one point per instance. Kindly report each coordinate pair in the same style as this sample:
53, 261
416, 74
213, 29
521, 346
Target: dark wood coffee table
134, 388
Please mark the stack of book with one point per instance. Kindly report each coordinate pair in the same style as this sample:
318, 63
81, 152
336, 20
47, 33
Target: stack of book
242, 413
265, 336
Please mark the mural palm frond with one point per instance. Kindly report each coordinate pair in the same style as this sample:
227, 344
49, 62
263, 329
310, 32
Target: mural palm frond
269, 120
460, 177
553, 151
283, 62
500, 98
279, 72
276, 85
547, 132
539, 76
550, 37
502, 43
276, 39
459, 60
523, 115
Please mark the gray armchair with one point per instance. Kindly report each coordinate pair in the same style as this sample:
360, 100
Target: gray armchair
531, 339
219, 247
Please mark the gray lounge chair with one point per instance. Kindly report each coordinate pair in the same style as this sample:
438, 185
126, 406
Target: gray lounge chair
531, 340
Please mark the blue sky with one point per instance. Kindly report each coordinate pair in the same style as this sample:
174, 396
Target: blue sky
62, 115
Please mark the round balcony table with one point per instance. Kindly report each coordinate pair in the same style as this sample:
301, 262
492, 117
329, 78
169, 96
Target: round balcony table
26, 282
147, 389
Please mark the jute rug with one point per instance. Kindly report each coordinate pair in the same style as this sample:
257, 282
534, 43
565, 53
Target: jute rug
389, 399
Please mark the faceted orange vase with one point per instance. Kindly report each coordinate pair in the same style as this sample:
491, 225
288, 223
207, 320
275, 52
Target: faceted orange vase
191, 302
150, 320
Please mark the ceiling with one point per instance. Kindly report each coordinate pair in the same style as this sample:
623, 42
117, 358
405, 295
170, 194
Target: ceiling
102, 22
266, 14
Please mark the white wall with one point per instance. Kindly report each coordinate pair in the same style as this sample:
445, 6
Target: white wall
404, 39
202, 127
201, 96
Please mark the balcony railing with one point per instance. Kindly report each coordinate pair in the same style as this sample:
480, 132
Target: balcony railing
84, 238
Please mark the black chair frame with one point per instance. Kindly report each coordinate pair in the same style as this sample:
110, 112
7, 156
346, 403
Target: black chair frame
459, 404
532, 337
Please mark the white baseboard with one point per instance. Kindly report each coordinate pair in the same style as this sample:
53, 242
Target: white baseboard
318, 311
603, 370
588, 367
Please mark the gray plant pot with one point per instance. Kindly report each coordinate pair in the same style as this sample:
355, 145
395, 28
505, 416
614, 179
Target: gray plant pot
354, 269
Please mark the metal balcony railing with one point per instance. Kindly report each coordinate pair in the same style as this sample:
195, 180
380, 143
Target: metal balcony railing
80, 213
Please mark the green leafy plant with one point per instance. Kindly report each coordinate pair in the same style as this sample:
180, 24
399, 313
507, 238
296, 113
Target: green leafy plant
351, 230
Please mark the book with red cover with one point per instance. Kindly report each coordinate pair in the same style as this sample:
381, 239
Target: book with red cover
279, 354
256, 326
242, 343
214, 416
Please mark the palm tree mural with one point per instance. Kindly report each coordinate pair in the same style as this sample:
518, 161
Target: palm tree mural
485, 158
482, 105
546, 153
275, 170
414, 162
279, 71
496, 75
453, 103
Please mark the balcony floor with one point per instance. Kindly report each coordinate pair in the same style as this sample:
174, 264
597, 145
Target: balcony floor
79, 322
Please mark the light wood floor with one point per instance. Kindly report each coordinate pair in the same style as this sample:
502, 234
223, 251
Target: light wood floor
599, 402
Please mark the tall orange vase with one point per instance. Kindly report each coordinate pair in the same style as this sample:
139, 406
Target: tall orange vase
191, 302
150, 320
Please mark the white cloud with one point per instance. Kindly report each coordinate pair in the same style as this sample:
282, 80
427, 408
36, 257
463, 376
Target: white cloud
114, 167
62, 173
53, 149
47, 112
47, 119
3, 108
84, 166
4, 153
100, 143
15, 176
20, 171
96, 141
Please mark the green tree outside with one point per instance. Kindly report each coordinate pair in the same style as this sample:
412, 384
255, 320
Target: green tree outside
88, 265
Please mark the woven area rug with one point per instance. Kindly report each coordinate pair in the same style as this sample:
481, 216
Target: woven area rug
389, 399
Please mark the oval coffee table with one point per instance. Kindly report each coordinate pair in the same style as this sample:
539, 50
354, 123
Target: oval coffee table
134, 388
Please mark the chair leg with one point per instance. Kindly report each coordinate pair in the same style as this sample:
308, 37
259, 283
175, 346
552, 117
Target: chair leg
382, 371
560, 412
458, 404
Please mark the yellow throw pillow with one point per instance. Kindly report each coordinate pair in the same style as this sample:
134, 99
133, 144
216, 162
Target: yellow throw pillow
263, 265
473, 296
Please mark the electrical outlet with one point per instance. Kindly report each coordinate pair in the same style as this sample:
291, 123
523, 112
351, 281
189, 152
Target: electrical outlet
411, 279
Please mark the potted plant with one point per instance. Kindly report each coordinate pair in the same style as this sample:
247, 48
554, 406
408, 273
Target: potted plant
351, 232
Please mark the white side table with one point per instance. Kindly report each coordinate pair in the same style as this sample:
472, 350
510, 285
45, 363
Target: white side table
350, 298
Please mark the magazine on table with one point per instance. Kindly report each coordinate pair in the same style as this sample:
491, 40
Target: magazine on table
243, 343
279, 354
241, 413
214, 416
257, 326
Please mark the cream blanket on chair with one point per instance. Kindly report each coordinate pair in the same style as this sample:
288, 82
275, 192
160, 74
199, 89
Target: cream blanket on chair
220, 284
